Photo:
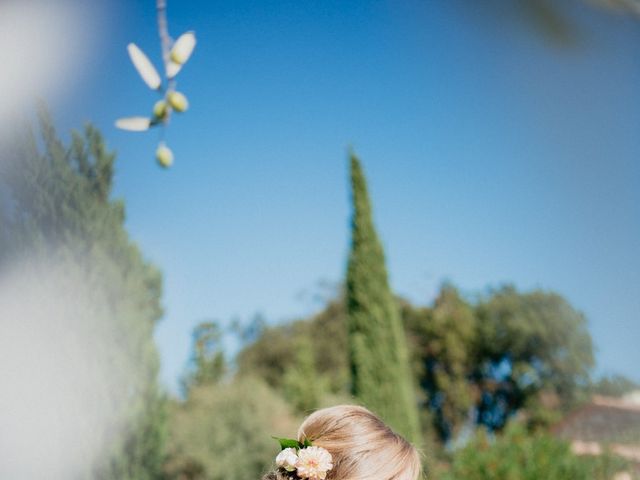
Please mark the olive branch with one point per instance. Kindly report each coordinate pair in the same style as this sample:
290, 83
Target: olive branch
174, 56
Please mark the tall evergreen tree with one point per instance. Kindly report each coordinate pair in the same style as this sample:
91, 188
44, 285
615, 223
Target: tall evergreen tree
56, 204
381, 376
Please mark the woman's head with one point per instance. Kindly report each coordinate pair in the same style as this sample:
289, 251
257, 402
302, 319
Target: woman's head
361, 445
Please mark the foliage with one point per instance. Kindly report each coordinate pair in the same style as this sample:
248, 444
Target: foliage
505, 353
442, 340
613, 386
301, 382
517, 455
57, 204
208, 361
292, 443
378, 353
475, 362
225, 430
527, 343
269, 355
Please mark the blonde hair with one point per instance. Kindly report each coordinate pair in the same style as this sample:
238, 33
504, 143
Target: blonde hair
362, 446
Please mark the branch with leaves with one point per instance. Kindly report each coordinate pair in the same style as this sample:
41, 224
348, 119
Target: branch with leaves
174, 56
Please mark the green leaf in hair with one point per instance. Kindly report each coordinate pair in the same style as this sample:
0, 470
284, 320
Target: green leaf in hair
291, 443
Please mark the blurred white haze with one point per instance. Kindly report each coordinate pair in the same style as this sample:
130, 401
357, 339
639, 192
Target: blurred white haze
62, 396
60, 393
44, 44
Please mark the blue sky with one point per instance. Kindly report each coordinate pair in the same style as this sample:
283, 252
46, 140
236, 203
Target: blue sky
492, 155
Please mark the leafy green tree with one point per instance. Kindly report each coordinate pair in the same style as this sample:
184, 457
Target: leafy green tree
269, 356
613, 386
377, 345
505, 353
224, 430
301, 380
56, 204
528, 343
208, 360
442, 340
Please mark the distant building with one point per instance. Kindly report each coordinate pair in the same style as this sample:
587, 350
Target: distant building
606, 423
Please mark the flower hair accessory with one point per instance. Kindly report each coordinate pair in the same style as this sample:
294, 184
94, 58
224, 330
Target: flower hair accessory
303, 459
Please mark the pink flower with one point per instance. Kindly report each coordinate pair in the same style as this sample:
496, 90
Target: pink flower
313, 463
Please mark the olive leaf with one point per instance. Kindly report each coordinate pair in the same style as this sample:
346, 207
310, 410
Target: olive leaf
134, 124
144, 67
292, 443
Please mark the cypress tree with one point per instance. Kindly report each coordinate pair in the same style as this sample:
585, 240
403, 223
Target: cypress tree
381, 377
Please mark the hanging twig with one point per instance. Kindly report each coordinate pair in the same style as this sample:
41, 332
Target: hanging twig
165, 44
163, 31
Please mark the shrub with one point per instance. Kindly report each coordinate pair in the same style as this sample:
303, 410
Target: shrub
224, 430
519, 455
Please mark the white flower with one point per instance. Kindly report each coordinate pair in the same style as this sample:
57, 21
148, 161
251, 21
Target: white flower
287, 459
314, 463
144, 66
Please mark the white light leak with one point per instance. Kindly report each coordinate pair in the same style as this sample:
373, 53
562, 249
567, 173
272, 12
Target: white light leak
61, 395
43, 45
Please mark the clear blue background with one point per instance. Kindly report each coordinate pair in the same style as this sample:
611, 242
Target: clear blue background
493, 155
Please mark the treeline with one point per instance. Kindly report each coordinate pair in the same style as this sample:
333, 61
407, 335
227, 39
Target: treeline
473, 363
506, 357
